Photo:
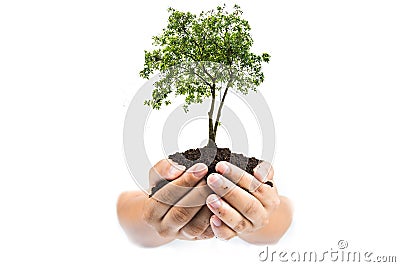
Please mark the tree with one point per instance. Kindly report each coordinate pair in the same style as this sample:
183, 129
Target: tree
201, 56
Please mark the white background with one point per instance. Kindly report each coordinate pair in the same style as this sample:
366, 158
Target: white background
68, 70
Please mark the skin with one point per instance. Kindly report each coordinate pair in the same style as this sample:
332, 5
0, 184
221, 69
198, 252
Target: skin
235, 203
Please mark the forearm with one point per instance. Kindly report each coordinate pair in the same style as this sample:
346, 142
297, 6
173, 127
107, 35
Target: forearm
279, 222
130, 215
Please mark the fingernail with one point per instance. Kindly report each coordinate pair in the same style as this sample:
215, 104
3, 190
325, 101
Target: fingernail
215, 180
214, 201
223, 167
175, 170
198, 170
216, 221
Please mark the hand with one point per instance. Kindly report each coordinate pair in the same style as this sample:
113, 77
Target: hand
242, 203
177, 210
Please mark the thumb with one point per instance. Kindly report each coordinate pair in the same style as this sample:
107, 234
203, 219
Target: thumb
165, 169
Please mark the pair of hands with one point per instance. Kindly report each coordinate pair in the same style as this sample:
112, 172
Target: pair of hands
237, 203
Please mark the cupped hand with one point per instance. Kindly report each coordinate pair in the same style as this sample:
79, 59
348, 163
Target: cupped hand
242, 203
177, 210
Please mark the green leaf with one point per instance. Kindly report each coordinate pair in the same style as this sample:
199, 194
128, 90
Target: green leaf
198, 53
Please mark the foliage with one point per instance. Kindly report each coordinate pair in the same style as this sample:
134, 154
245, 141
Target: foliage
201, 56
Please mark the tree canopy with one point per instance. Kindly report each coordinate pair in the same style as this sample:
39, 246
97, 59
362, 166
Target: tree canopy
200, 56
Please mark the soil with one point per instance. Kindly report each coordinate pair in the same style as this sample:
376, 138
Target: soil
209, 156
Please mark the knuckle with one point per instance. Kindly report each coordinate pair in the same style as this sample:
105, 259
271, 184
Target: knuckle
180, 215
276, 202
230, 192
166, 196
251, 208
273, 203
240, 226
261, 189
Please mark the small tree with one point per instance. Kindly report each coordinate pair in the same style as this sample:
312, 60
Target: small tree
201, 56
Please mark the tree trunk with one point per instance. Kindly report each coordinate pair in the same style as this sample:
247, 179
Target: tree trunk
211, 135
219, 111
211, 132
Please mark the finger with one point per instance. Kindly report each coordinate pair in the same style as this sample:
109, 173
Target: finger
264, 171
186, 208
198, 225
237, 175
268, 196
220, 229
264, 193
244, 202
227, 214
168, 195
165, 169
176, 189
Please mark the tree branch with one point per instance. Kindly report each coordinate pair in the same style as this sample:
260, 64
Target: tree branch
211, 132
207, 83
220, 106
208, 74
201, 53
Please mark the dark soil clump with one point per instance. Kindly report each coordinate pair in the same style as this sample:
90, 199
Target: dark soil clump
210, 156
